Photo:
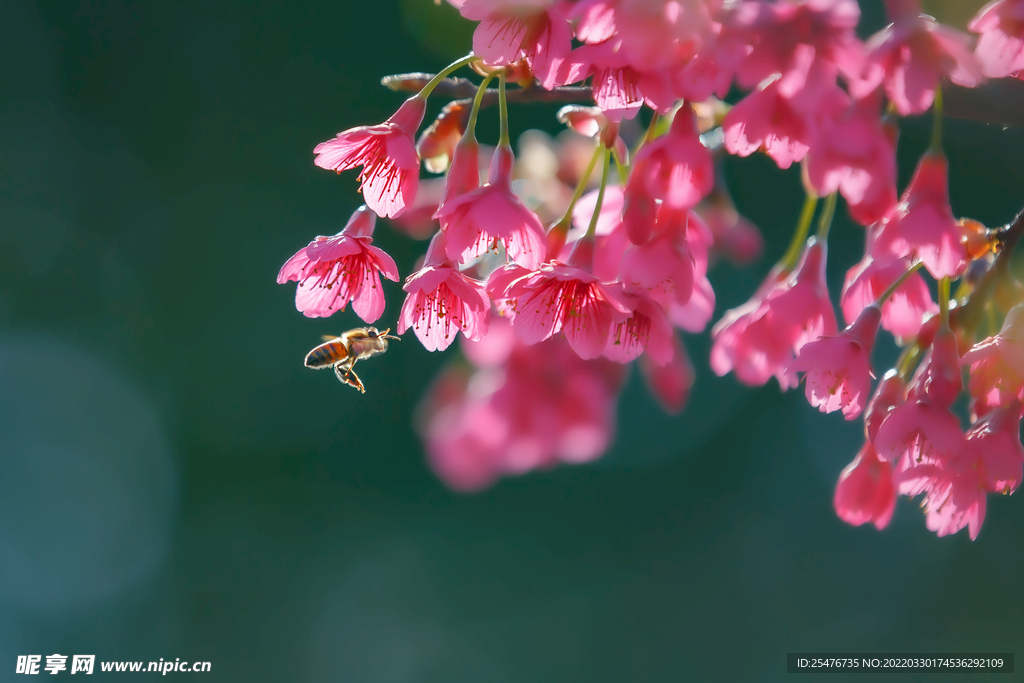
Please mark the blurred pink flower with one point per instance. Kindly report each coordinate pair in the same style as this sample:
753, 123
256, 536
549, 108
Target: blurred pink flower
990, 459
333, 271
766, 119
670, 383
853, 154
696, 313
442, 302
761, 338
782, 114
525, 407
994, 449
919, 431
781, 30
838, 369
734, 236
911, 56
997, 365
1000, 49
387, 153
474, 221
865, 491
652, 35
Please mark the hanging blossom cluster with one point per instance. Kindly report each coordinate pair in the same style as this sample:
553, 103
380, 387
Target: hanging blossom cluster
554, 294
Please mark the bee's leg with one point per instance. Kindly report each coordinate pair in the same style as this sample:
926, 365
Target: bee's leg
346, 376
354, 381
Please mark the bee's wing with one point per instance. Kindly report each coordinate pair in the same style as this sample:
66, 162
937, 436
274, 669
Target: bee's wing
328, 337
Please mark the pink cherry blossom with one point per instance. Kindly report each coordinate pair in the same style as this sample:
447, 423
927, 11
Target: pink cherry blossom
990, 459
994, 449
781, 116
907, 307
474, 221
761, 338
865, 491
386, 152
921, 431
1000, 49
619, 88
854, 154
567, 298
442, 302
782, 29
838, 369
652, 35
333, 271
647, 329
922, 224
670, 383
910, 56
997, 365
510, 30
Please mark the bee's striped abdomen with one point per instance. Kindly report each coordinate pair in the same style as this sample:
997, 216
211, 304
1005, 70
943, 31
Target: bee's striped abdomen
327, 354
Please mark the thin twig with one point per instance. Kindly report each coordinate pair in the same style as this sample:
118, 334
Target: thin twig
460, 88
1000, 101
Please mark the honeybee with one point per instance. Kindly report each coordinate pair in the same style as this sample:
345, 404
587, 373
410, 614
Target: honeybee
343, 351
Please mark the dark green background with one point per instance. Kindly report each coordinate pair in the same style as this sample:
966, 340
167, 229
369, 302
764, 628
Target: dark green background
173, 483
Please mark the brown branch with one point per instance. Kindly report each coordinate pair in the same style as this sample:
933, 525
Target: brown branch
463, 88
1000, 102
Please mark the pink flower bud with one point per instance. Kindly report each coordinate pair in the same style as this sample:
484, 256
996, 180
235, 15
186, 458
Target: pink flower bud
891, 392
865, 491
942, 380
